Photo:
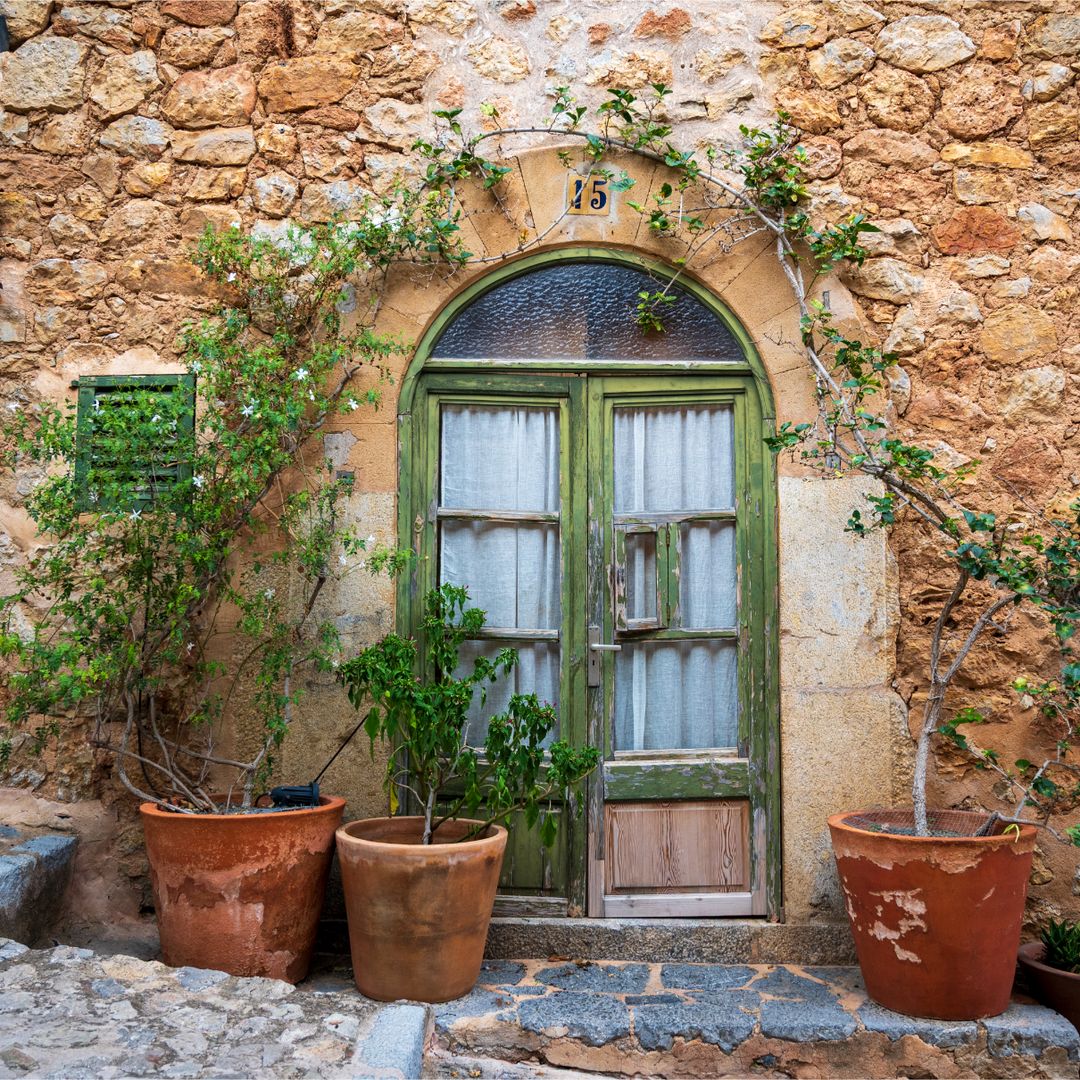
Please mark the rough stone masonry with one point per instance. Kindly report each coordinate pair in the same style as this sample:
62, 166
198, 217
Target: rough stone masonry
127, 126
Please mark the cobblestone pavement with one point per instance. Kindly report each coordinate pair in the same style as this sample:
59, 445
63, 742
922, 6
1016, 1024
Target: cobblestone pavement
66, 1013
705, 1020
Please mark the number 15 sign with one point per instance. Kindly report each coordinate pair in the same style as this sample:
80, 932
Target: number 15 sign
587, 195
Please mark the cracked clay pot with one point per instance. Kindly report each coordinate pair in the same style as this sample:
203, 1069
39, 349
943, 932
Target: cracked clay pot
241, 893
936, 920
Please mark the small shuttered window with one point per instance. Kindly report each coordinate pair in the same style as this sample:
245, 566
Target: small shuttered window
134, 439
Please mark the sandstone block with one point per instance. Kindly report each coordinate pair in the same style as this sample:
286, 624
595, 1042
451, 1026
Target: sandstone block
69, 234
137, 136
12, 325
802, 26
274, 194
731, 94
320, 202
14, 129
147, 177
1047, 81
222, 97
200, 12
630, 70
1041, 223
839, 61
517, 10
999, 42
958, 306
815, 113
167, 276
672, 26
192, 46
891, 148
266, 29
44, 73
906, 336
978, 102
306, 82
1032, 464
884, 279
25, 18
980, 187
1016, 334
395, 123
106, 24
713, 64
65, 281
358, 31
823, 157
500, 59
1039, 391
277, 141
453, 16
194, 220
982, 266
135, 221
1052, 123
896, 99
994, 155
220, 146
123, 83
1053, 264
64, 134
922, 43
975, 229
851, 15
331, 116
330, 157
1055, 36
213, 184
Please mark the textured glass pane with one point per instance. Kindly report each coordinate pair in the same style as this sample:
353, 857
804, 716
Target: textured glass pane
499, 458
511, 571
707, 576
674, 458
641, 575
536, 672
673, 695
583, 311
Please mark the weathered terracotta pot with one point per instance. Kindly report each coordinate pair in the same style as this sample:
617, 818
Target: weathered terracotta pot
936, 920
418, 914
1058, 989
241, 893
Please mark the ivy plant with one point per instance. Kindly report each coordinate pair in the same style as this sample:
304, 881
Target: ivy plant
422, 712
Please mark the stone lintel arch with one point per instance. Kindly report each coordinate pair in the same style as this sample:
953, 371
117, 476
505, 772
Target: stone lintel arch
844, 737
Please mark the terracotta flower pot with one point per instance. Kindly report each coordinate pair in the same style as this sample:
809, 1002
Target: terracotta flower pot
936, 920
418, 914
1058, 989
241, 892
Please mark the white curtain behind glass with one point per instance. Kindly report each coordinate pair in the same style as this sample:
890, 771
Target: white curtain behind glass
502, 458
680, 695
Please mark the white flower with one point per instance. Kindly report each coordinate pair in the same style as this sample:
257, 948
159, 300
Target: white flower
300, 374
248, 410
391, 218
135, 515
230, 276
341, 559
13, 406
190, 646
196, 366
369, 541
199, 481
311, 395
269, 594
155, 419
353, 404
93, 497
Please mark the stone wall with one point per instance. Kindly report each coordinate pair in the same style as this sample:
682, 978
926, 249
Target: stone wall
126, 126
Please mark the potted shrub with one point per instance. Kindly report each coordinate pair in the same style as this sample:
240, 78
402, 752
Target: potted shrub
1051, 967
190, 526
419, 889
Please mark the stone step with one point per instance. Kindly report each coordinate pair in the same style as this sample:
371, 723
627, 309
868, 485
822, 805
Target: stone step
711, 1020
35, 871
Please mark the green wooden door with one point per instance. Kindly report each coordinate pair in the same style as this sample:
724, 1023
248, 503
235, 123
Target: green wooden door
614, 530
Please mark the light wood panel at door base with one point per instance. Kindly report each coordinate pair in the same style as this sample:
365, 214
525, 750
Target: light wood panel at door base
678, 905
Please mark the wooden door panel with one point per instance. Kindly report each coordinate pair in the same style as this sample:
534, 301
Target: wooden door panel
677, 847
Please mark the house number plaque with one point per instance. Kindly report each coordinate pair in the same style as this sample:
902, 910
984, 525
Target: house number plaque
588, 195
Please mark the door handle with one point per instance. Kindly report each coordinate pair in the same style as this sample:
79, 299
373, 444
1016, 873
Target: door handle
595, 652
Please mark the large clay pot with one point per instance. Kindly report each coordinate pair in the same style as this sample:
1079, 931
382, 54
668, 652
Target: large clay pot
936, 920
1052, 986
241, 893
418, 914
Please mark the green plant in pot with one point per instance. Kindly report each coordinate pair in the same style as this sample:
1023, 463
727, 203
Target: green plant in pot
419, 890
189, 525
1051, 967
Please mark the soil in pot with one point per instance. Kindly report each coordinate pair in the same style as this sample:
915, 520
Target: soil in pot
241, 893
418, 914
1058, 989
936, 920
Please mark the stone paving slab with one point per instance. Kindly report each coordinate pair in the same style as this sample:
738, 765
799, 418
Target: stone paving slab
35, 869
67, 1013
705, 1020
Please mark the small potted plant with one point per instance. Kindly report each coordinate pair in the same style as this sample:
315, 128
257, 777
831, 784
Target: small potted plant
1051, 967
419, 890
189, 524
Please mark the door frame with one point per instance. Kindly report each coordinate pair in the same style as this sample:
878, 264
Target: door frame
414, 518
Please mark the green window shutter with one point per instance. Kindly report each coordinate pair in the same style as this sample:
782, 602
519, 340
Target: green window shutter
93, 457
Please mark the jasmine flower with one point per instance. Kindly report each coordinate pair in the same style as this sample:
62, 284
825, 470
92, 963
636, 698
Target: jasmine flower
199, 481
300, 374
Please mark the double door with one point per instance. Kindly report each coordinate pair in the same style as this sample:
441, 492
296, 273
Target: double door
612, 527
